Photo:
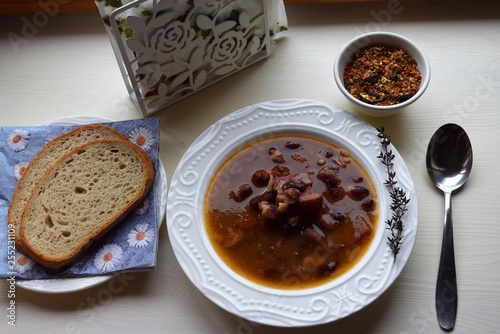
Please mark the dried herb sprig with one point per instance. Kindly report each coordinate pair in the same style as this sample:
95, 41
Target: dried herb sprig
398, 195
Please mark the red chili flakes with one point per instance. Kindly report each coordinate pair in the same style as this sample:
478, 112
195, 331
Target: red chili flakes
382, 76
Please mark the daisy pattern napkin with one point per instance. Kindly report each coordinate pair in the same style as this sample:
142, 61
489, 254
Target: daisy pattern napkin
131, 245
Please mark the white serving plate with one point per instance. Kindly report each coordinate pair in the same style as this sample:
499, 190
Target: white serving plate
65, 285
360, 286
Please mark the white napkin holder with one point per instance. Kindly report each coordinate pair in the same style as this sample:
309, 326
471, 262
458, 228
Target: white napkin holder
170, 49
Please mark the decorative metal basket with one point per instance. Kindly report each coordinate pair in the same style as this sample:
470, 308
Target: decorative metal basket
169, 49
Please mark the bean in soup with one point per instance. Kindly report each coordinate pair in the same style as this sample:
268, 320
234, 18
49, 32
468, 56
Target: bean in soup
290, 212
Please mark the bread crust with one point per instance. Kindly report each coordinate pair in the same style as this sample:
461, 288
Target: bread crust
57, 262
32, 176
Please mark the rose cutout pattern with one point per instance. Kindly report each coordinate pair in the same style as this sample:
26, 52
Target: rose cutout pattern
175, 48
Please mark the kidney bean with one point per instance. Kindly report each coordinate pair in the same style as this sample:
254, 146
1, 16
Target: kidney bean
297, 184
241, 193
357, 192
357, 179
368, 205
268, 196
292, 145
276, 156
261, 178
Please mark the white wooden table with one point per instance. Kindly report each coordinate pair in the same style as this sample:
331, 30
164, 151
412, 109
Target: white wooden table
66, 67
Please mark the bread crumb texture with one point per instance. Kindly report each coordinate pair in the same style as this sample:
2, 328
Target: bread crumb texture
83, 195
53, 151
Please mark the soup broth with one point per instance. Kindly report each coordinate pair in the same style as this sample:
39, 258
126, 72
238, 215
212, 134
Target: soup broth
290, 212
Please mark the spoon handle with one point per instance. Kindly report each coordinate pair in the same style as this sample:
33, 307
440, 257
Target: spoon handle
446, 288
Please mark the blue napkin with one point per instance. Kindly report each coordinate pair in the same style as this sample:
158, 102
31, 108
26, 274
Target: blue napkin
131, 245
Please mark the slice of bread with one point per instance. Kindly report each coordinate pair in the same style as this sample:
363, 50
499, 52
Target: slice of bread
54, 150
81, 197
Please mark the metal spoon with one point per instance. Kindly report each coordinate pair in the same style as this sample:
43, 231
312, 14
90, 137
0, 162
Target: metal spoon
449, 162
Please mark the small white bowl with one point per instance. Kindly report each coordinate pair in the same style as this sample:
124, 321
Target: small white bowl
381, 39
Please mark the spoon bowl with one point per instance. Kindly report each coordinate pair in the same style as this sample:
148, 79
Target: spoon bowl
449, 163
449, 158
